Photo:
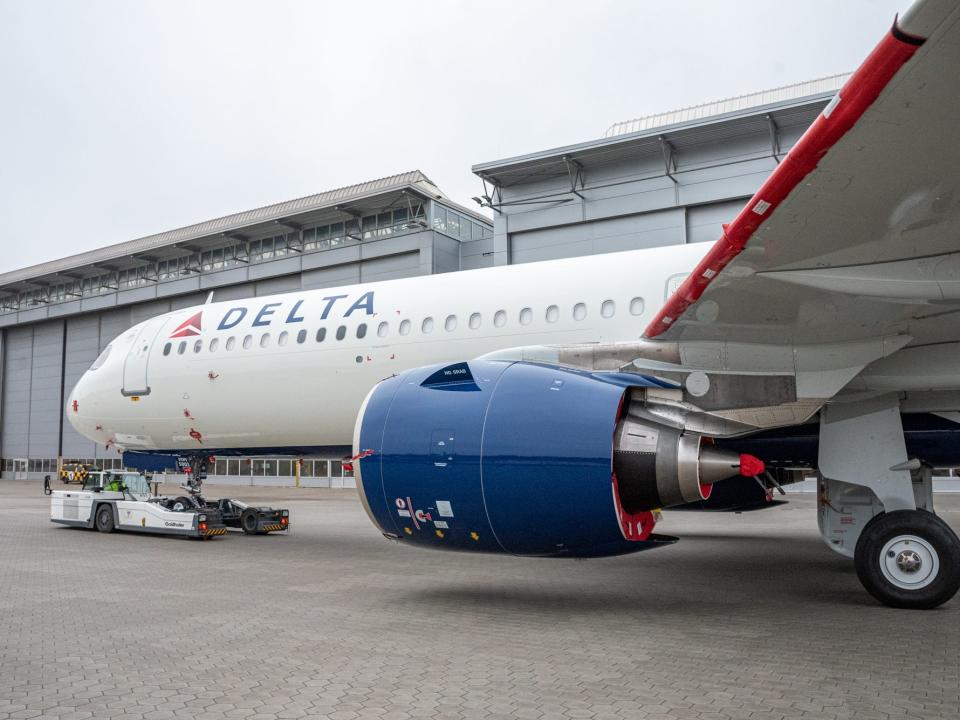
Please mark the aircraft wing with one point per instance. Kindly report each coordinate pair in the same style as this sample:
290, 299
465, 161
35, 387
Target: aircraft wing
856, 235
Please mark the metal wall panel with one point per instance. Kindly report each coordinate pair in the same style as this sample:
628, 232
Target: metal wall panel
17, 375
665, 227
390, 267
331, 277
275, 286
145, 311
45, 390
705, 222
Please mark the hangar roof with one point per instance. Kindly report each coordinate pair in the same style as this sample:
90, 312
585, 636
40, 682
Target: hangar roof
789, 106
369, 196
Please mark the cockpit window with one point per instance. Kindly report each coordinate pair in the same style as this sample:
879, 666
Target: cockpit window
102, 358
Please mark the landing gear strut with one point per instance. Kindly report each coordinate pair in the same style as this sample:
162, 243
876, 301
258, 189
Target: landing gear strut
909, 559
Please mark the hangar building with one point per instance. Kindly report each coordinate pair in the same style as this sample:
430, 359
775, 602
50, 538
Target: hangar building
658, 180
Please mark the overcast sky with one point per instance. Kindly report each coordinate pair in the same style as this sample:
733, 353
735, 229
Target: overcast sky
122, 119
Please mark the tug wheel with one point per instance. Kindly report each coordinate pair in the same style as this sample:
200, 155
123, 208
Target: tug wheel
909, 559
249, 519
182, 504
104, 519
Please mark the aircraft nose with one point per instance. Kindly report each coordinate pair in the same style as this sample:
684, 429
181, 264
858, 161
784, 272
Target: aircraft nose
90, 396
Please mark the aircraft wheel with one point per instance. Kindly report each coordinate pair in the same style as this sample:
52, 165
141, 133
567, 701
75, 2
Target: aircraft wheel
248, 521
909, 559
104, 519
182, 504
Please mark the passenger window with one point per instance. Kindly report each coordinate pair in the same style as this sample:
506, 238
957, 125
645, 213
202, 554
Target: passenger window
166, 349
382, 329
301, 337
321, 334
231, 342
500, 319
341, 332
579, 311
636, 306
608, 308
247, 342
475, 321
427, 326
405, 327
450, 324
361, 331
182, 348
214, 344
526, 316
198, 346
553, 314
264, 340
282, 339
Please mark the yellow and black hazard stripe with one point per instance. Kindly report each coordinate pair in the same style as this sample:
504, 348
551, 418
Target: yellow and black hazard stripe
210, 532
274, 527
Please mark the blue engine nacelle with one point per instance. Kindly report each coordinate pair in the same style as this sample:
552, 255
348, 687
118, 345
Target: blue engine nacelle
518, 458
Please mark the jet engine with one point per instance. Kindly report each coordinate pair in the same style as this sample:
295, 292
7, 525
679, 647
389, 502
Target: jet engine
526, 459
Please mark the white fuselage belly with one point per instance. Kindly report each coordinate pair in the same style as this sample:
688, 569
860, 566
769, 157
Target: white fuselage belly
307, 394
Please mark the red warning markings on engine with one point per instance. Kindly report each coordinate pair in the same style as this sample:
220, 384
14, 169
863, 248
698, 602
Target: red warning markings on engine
405, 509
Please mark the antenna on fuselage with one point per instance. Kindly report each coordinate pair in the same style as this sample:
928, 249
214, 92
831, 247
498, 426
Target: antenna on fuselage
209, 298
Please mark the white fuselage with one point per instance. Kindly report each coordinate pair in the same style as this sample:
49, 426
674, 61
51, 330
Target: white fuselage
252, 373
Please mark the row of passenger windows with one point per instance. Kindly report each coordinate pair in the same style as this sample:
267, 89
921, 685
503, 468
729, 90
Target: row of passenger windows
475, 321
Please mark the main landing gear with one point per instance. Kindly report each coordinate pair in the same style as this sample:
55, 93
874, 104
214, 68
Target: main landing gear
881, 514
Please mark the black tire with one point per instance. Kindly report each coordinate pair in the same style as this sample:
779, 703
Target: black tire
249, 520
182, 504
909, 547
104, 519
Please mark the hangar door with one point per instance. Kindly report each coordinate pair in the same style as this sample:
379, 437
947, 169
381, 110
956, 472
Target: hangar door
135, 366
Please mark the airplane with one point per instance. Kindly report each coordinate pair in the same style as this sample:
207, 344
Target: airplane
552, 409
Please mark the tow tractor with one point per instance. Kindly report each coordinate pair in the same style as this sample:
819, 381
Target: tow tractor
123, 501
111, 501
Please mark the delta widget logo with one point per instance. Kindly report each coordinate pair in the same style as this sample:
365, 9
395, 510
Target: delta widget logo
189, 327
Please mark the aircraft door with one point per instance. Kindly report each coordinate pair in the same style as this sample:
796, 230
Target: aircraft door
135, 380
